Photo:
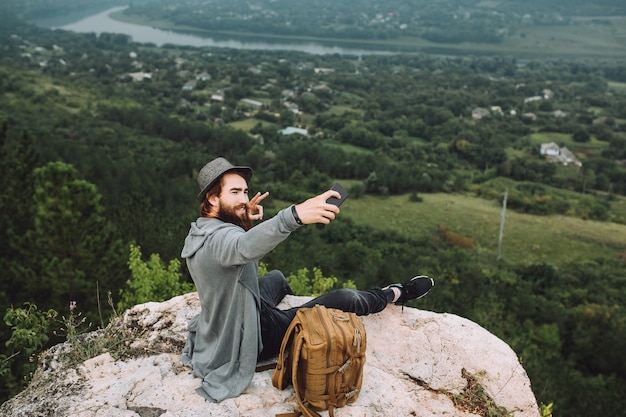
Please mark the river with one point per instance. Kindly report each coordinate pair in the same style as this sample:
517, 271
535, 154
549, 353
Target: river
103, 22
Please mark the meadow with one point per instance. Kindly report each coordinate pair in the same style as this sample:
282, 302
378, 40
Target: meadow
526, 238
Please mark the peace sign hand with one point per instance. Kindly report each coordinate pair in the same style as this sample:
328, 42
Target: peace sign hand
255, 211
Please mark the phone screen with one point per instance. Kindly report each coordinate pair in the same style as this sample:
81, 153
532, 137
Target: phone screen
338, 201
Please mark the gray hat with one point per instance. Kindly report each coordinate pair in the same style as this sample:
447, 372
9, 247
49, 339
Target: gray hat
212, 171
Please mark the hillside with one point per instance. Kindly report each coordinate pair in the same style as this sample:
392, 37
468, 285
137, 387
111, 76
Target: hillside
528, 238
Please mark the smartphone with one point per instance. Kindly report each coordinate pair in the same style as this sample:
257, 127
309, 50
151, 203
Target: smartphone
338, 201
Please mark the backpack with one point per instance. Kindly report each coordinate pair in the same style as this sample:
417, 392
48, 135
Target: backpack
322, 354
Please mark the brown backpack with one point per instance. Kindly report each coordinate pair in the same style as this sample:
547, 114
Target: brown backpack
322, 355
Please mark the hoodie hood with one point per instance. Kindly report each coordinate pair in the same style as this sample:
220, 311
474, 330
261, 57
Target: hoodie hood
198, 234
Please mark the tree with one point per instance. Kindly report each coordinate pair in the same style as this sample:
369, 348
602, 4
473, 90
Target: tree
74, 255
581, 135
17, 161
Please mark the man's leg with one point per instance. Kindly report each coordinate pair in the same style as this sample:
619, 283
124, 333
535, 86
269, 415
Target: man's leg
354, 301
375, 300
274, 322
273, 287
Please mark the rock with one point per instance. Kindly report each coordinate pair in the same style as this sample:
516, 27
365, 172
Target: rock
419, 363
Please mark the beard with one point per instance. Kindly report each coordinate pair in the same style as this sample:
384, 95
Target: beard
229, 215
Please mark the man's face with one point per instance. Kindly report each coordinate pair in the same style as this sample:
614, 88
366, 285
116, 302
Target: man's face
232, 202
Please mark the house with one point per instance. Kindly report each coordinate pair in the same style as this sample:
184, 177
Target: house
554, 153
568, 157
203, 76
599, 120
531, 99
480, 112
251, 102
559, 114
550, 149
294, 130
287, 94
190, 85
140, 76
218, 96
293, 107
496, 110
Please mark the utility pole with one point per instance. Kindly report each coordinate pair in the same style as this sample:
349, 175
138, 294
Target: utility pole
502, 216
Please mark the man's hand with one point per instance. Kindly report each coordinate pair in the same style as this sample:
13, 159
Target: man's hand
317, 210
255, 211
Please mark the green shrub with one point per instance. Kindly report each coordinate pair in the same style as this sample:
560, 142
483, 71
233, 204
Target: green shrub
151, 280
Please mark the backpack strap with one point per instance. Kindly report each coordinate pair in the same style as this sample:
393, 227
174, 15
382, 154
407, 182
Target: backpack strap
281, 376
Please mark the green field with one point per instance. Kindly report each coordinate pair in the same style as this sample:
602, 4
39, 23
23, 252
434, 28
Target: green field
617, 86
527, 238
347, 148
248, 124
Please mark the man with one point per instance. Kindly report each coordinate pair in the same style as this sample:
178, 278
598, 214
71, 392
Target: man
239, 322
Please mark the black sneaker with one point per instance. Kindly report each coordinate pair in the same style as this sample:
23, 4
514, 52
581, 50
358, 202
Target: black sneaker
414, 288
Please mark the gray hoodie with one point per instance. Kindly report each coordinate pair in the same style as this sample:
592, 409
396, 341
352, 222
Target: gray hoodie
224, 340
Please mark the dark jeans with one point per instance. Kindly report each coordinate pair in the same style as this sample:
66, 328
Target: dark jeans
274, 322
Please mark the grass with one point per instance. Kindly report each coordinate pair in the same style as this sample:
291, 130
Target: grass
347, 148
554, 239
617, 87
248, 124
619, 206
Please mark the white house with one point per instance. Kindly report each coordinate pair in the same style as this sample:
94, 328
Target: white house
140, 76
550, 149
294, 130
190, 85
251, 102
480, 112
554, 153
531, 99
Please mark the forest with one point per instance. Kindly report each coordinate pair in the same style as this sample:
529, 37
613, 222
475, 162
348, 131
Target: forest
101, 139
447, 21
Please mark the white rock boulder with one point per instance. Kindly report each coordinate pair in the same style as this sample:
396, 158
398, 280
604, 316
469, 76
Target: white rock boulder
419, 364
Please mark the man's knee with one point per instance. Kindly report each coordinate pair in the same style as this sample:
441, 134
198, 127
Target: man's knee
347, 295
274, 276
278, 280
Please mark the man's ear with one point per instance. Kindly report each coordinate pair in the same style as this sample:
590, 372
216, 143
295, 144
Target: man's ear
213, 199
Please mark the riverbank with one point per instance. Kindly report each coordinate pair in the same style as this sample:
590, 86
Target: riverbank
586, 40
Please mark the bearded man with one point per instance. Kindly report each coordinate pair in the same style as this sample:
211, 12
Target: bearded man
239, 322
